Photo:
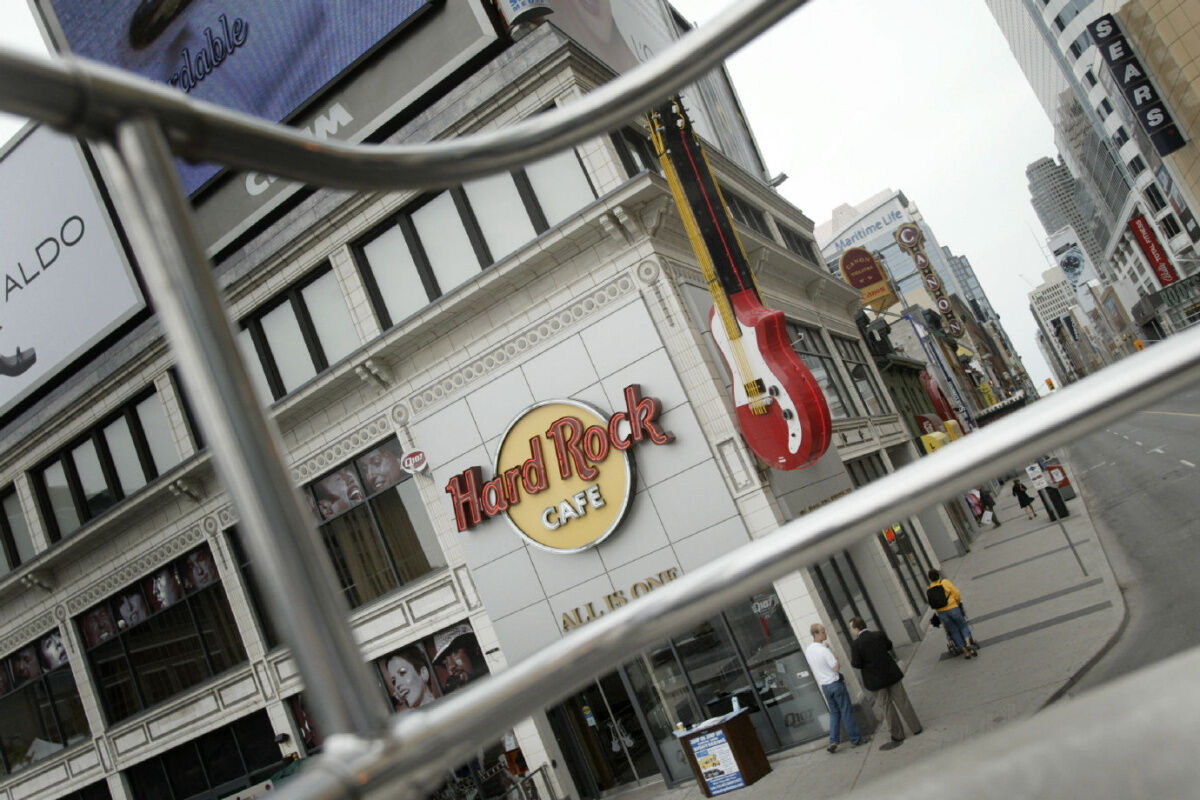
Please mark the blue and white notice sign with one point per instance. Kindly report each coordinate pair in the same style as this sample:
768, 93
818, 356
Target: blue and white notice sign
717, 764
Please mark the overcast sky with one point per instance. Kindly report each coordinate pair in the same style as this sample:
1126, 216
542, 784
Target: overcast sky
850, 98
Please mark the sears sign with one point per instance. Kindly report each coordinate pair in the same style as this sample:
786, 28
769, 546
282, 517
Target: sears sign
1135, 85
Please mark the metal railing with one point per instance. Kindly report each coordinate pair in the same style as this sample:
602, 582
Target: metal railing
138, 127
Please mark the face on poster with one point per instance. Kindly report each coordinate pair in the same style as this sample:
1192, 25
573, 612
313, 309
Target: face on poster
61, 261
262, 58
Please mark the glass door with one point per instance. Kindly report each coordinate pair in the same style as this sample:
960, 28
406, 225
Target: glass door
601, 738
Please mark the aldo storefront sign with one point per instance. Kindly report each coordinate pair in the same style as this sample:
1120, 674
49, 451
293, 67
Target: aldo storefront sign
564, 474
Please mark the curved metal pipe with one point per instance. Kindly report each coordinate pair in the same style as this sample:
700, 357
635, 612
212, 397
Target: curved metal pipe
90, 100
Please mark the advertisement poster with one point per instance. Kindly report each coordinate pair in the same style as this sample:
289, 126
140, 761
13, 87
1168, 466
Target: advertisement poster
717, 764
418, 674
265, 59
62, 261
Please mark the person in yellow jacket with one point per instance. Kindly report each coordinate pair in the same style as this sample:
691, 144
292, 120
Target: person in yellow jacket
947, 602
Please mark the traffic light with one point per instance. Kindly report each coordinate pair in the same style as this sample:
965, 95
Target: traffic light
1138, 344
1050, 383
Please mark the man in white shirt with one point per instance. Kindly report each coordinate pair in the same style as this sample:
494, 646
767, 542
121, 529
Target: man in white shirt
825, 669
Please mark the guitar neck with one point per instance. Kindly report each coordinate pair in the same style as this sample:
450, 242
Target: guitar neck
702, 207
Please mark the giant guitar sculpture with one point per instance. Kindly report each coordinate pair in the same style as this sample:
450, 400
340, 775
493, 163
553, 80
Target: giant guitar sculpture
780, 407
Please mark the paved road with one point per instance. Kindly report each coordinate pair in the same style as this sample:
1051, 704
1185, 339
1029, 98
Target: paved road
1141, 481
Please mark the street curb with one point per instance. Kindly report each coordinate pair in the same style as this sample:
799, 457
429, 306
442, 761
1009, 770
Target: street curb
1116, 635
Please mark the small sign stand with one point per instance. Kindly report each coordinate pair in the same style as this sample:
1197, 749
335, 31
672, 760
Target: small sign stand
1038, 479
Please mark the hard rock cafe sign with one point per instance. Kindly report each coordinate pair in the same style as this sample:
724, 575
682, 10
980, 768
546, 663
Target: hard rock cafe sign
564, 474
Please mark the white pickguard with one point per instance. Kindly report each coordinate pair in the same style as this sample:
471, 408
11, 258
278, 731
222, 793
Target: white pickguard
758, 369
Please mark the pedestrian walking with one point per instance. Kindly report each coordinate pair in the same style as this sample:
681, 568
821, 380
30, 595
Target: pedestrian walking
871, 652
947, 602
988, 504
825, 669
1022, 494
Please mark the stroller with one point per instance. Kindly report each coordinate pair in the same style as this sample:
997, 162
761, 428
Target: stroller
954, 649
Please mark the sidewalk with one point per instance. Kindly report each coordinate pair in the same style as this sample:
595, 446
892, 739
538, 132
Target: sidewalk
1039, 621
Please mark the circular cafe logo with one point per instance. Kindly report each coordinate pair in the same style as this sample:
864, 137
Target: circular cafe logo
564, 474
588, 483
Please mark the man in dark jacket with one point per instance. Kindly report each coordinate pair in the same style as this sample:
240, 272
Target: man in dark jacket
871, 652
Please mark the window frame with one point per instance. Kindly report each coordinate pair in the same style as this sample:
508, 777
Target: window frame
52, 699
746, 213
633, 145
294, 297
187, 600
327, 530
402, 219
95, 434
842, 345
8, 542
796, 242
829, 362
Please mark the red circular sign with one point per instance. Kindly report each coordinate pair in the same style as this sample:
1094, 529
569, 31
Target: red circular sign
414, 461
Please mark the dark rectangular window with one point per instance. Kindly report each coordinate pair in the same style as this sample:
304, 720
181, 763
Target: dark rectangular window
94, 791
216, 764
1170, 226
1154, 198
1120, 137
16, 543
40, 712
104, 466
797, 243
864, 383
1105, 108
297, 335
636, 152
161, 635
1137, 165
745, 213
374, 524
809, 345
1090, 78
250, 581
440, 241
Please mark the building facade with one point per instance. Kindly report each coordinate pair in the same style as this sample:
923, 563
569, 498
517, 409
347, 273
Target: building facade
402, 342
1127, 137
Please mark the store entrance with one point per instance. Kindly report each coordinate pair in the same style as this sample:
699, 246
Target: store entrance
602, 740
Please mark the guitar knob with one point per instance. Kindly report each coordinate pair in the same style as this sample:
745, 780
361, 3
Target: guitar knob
773, 390
787, 413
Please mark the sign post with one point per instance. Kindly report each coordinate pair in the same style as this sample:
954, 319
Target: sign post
1039, 481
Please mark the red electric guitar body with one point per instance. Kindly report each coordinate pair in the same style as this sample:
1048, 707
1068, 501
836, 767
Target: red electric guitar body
779, 405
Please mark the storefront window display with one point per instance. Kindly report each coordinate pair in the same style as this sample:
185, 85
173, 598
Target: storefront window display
217, 764
841, 590
40, 712
900, 543
747, 657
161, 635
418, 674
374, 524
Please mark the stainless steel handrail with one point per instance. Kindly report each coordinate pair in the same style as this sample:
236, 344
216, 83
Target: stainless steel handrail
92, 100
367, 756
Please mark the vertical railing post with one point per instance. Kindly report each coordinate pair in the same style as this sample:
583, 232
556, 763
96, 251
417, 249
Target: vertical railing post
289, 558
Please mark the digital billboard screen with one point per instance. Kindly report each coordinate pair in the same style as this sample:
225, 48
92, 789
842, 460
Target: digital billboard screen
264, 58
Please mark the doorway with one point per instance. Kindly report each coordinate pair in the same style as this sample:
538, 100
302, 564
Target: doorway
602, 739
